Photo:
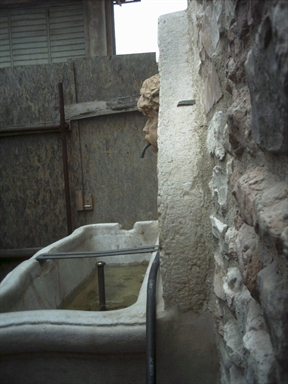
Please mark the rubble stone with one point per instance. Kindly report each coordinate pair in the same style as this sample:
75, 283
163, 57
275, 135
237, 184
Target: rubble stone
215, 136
267, 73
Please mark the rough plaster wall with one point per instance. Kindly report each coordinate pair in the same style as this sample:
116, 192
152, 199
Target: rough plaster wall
242, 47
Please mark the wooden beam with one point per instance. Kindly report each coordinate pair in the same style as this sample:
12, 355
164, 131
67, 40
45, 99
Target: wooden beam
98, 108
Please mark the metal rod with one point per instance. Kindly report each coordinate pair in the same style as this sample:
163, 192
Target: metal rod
101, 285
144, 150
29, 130
73, 255
151, 322
65, 158
20, 253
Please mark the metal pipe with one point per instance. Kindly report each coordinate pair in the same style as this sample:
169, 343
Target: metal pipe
75, 255
18, 253
101, 285
144, 150
151, 322
65, 159
29, 130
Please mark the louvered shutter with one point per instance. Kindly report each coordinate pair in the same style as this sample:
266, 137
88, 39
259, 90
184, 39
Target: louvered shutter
5, 52
67, 38
29, 35
42, 35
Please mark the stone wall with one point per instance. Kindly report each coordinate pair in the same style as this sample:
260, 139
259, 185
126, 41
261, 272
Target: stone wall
243, 49
234, 64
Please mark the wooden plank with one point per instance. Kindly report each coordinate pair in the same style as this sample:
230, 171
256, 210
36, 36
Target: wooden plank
98, 108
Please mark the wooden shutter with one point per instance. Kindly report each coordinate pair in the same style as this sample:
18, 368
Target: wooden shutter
42, 35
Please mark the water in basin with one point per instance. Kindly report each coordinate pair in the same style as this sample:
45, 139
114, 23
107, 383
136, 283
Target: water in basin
122, 285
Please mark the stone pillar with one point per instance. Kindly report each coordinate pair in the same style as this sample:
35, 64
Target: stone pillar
183, 191
181, 197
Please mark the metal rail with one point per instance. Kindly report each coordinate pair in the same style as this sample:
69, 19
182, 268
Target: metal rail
151, 322
31, 130
101, 285
65, 159
116, 252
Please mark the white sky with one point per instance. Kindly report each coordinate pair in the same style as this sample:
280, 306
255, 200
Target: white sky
136, 24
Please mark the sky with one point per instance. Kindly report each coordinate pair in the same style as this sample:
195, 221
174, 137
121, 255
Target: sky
136, 24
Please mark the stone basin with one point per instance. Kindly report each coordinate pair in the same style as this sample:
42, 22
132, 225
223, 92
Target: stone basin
43, 344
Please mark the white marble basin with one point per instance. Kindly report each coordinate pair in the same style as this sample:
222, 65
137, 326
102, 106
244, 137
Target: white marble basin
42, 344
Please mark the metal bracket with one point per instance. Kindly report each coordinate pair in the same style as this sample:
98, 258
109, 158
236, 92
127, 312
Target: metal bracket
183, 103
84, 201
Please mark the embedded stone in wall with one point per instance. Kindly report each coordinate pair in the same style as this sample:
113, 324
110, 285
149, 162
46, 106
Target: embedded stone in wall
242, 246
219, 229
245, 245
251, 183
264, 205
232, 284
273, 289
219, 184
267, 74
215, 137
250, 275
231, 237
234, 343
272, 213
238, 124
212, 91
209, 29
219, 276
261, 362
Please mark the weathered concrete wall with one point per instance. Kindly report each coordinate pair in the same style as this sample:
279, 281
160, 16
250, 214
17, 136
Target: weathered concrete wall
103, 152
95, 28
124, 186
32, 202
